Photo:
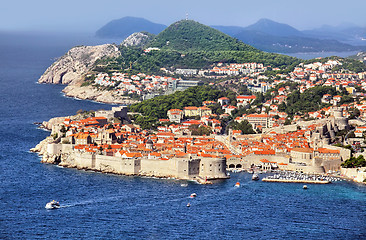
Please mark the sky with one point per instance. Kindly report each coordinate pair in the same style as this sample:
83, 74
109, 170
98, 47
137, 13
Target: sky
90, 15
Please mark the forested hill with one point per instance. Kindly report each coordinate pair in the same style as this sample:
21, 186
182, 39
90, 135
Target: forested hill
189, 44
188, 35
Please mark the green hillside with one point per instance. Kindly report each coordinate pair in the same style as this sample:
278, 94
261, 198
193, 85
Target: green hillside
156, 108
188, 35
189, 44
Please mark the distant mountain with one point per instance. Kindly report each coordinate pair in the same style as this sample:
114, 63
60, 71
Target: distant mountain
271, 36
188, 35
124, 27
265, 34
291, 44
229, 30
273, 28
346, 33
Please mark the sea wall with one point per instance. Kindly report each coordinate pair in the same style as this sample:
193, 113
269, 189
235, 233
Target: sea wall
356, 174
159, 168
304, 169
180, 168
108, 164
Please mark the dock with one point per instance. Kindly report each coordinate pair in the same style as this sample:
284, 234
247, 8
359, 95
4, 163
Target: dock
295, 181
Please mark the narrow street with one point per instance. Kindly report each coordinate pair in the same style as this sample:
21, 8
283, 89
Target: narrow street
225, 139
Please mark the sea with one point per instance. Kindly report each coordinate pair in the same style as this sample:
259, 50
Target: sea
107, 206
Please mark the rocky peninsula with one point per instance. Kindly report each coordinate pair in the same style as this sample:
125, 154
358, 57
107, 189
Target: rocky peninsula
96, 141
71, 69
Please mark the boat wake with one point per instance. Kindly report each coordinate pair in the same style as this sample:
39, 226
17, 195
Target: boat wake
92, 202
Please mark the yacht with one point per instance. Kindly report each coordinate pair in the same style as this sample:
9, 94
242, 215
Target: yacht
52, 205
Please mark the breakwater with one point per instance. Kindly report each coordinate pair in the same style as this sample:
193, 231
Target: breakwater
295, 181
295, 177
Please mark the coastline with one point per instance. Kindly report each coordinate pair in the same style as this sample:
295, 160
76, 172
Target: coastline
53, 150
92, 94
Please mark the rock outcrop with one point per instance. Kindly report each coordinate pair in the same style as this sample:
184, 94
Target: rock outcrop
52, 122
137, 39
91, 93
41, 147
71, 67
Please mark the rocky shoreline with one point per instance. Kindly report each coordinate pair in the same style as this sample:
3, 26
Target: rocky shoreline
71, 69
66, 160
93, 94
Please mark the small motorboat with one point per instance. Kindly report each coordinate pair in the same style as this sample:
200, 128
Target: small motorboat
237, 184
52, 205
184, 185
305, 187
188, 204
193, 195
255, 177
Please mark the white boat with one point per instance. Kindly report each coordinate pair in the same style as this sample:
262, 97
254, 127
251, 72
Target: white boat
188, 205
255, 177
305, 187
52, 205
193, 195
237, 184
184, 185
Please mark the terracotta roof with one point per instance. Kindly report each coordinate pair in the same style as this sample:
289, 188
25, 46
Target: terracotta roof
304, 150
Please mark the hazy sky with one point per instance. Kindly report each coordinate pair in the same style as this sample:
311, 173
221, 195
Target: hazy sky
90, 15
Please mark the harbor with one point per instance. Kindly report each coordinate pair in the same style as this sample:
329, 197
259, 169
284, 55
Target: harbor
294, 177
295, 181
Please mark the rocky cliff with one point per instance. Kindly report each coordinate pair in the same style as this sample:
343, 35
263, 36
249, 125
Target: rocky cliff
137, 39
71, 67
91, 93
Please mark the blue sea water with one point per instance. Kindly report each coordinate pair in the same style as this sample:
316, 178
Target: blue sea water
103, 206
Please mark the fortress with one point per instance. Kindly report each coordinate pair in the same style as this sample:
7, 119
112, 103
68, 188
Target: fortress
189, 168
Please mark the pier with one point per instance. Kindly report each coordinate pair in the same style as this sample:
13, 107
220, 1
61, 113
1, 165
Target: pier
294, 177
295, 181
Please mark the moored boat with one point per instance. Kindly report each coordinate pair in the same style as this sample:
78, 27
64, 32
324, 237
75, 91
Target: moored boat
193, 195
255, 177
237, 184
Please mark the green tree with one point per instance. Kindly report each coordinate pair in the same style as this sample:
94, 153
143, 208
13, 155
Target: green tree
354, 162
244, 126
